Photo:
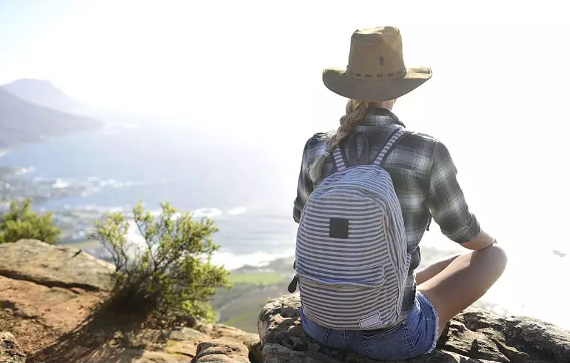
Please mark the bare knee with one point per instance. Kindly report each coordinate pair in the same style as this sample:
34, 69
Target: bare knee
495, 258
500, 256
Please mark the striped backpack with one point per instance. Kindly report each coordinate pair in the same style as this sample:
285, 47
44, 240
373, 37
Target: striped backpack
351, 259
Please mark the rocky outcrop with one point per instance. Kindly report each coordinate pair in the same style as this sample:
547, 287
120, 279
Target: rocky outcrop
54, 266
475, 336
10, 351
221, 331
153, 346
220, 350
207, 342
46, 291
130, 355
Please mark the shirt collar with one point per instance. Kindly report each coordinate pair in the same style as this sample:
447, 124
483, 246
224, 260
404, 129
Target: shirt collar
378, 117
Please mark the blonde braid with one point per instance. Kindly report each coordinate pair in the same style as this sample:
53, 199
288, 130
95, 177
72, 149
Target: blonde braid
355, 111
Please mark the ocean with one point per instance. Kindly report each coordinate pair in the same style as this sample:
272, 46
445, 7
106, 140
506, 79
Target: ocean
249, 195
247, 186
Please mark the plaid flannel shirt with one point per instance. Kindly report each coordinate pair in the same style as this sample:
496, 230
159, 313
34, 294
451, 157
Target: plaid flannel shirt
424, 178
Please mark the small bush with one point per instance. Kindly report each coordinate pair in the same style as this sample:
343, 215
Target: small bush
171, 273
23, 222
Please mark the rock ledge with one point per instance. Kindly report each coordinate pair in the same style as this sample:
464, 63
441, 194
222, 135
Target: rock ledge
475, 336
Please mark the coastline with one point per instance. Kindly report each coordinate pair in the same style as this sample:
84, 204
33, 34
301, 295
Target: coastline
13, 186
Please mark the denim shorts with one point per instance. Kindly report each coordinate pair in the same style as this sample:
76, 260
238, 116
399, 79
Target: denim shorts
414, 336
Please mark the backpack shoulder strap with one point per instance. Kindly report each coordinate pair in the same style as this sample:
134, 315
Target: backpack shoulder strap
393, 140
339, 159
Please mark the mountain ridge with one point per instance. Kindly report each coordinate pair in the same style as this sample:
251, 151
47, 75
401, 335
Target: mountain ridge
22, 121
44, 93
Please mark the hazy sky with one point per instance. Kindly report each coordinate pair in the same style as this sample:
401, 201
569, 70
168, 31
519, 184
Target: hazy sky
156, 55
498, 96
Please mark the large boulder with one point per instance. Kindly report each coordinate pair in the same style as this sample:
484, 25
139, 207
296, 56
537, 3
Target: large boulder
475, 336
54, 266
10, 351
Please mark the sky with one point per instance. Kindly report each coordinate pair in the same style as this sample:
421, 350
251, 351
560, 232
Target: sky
497, 97
156, 55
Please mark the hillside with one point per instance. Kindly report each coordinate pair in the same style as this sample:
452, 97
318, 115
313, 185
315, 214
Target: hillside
22, 121
45, 94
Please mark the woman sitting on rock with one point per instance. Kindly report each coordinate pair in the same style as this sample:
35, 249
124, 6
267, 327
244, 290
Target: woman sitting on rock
366, 194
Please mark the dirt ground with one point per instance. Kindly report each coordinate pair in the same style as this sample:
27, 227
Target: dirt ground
38, 315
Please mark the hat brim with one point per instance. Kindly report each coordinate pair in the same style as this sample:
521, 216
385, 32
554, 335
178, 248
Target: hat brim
371, 90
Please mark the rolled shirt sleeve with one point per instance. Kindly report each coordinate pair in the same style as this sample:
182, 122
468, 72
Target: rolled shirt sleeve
446, 200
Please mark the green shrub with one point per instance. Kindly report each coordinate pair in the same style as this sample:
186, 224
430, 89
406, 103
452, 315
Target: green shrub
23, 222
171, 273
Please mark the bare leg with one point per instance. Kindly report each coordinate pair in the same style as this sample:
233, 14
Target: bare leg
464, 281
430, 271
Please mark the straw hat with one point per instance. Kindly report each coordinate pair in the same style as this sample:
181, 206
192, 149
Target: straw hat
376, 70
